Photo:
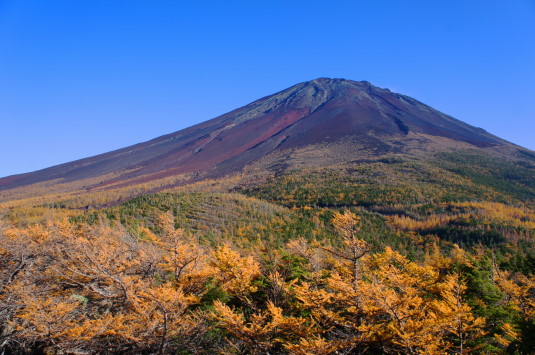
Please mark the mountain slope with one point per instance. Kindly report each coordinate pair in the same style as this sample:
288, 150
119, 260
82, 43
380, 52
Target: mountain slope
321, 111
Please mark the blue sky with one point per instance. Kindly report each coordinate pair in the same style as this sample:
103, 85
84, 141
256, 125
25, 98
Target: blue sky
82, 77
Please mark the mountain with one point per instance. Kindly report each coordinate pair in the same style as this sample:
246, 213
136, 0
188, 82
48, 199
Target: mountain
238, 235
337, 119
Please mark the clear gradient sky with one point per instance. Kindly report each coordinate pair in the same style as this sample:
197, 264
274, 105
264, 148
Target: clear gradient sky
83, 77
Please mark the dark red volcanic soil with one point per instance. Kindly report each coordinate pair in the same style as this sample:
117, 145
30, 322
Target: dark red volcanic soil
321, 110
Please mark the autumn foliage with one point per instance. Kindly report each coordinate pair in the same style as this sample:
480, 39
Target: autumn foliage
91, 288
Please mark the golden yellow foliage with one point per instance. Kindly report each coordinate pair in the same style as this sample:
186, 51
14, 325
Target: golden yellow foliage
95, 288
263, 330
235, 273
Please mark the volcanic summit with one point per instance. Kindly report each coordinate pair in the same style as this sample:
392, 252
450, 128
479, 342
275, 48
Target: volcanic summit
319, 113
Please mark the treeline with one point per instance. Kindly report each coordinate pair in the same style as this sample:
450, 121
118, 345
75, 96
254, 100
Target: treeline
445, 177
78, 287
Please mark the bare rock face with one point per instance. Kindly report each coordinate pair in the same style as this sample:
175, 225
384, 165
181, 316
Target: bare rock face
310, 113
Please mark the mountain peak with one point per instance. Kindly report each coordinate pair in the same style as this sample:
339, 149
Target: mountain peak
307, 115
334, 87
336, 83
314, 93
325, 80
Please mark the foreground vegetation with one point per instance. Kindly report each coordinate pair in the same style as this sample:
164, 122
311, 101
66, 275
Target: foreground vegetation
390, 256
78, 287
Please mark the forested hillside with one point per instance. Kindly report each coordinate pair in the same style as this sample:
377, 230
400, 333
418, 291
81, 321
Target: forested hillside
388, 255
